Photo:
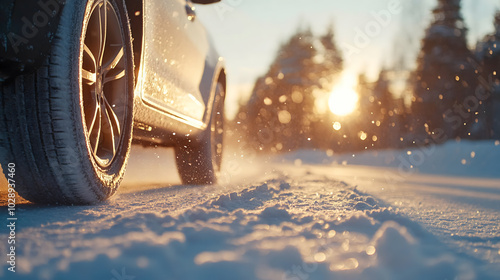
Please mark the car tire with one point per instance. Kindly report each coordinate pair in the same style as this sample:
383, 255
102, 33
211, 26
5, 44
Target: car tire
67, 127
199, 160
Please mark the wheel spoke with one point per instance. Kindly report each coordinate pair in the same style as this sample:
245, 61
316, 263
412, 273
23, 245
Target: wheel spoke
117, 76
99, 128
103, 28
112, 64
89, 77
114, 118
94, 118
97, 119
90, 54
111, 131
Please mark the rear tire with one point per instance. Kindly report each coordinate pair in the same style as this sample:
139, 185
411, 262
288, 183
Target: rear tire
199, 161
68, 126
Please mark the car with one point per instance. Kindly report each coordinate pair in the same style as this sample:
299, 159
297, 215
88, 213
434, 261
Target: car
81, 80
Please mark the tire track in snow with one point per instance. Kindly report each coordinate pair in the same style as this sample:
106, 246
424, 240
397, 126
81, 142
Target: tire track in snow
294, 225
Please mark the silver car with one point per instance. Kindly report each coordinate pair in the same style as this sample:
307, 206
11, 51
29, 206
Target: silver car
80, 80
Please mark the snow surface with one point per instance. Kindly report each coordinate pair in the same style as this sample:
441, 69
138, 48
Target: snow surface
464, 158
299, 216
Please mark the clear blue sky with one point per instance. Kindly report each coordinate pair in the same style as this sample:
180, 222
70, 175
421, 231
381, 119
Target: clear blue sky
248, 33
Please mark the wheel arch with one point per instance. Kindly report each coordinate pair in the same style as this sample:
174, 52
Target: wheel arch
218, 75
222, 78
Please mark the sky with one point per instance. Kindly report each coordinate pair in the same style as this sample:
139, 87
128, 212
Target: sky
248, 33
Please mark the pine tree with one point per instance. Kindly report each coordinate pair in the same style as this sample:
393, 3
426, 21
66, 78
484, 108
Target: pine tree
444, 76
329, 66
488, 53
332, 62
359, 128
383, 103
282, 104
281, 113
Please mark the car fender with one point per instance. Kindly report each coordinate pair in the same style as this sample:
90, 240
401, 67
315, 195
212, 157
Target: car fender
213, 72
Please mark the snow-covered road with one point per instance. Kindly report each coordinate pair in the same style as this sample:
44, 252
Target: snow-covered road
285, 218
462, 212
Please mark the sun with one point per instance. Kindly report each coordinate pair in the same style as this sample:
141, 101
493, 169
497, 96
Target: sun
343, 100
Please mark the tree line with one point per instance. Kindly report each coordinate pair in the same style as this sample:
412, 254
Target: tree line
454, 92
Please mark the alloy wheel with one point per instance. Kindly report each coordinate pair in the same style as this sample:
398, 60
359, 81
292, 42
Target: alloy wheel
104, 83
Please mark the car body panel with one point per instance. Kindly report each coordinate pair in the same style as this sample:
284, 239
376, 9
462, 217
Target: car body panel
167, 127
174, 55
181, 103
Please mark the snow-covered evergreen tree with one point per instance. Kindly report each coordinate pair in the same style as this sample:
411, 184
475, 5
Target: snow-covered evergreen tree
379, 116
444, 75
383, 103
331, 62
488, 53
329, 66
281, 110
281, 101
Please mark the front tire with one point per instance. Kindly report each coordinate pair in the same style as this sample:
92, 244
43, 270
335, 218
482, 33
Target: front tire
199, 161
68, 126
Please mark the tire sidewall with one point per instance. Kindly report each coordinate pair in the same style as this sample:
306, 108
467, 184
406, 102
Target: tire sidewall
206, 142
69, 52
194, 156
219, 100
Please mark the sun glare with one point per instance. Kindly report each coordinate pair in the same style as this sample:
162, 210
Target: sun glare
343, 99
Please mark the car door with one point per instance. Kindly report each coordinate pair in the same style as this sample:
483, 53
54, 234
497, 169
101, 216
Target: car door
175, 47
